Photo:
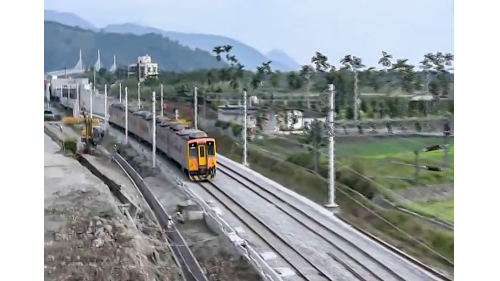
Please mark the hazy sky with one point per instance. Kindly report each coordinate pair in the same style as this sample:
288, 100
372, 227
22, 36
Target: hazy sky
404, 28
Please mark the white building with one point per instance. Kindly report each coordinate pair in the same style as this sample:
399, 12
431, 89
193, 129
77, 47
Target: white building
144, 69
294, 120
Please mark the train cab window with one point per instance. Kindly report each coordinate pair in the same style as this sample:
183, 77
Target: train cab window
210, 148
202, 151
193, 151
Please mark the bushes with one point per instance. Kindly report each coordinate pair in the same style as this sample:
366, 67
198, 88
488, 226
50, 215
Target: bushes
222, 124
71, 145
237, 129
351, 178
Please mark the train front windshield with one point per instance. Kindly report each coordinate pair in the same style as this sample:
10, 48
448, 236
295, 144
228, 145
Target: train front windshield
193, 151
210, 148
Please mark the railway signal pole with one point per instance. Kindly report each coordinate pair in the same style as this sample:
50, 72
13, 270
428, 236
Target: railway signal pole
331, 148
120, 92
126, 116
161, 100
154, 129
245, 162
195, 108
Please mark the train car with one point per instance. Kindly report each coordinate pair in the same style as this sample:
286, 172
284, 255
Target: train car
192, 149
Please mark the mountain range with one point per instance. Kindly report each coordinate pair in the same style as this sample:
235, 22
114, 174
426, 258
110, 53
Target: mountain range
248, 56
62, 44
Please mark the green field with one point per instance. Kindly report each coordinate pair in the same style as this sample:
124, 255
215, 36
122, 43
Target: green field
381, 148
384, 161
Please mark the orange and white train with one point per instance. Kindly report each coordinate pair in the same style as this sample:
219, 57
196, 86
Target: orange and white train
191, 149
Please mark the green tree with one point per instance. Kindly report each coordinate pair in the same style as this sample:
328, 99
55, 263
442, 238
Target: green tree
313, 138
294, 80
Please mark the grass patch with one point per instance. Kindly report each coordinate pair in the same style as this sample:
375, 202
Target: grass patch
444, 209
382, 148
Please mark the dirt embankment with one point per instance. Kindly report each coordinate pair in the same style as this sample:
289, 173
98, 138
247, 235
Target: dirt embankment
87, 237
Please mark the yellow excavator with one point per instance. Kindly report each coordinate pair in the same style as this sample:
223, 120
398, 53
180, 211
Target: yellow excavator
91, 134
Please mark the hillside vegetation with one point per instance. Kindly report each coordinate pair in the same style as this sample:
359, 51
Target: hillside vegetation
62, 44
248, 55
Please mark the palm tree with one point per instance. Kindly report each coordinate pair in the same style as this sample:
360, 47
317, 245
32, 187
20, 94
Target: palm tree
305, 73
406, 75
354, 63
218, 50
426, 65
321, 62
385, 60
448, 59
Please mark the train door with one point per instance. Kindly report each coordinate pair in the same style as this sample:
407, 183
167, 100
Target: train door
202, 154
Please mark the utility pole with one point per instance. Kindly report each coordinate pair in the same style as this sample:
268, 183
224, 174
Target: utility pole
78, 97
126, 116
154, 129
417, 165
161, 100
105, 106
139, 94
245, 162
91, 104
120, 92
331, 148
446, 144
196, 107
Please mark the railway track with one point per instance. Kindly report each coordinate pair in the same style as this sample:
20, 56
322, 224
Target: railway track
191, 269
361, 264
295, 259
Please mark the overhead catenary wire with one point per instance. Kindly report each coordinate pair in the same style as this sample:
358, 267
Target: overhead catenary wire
373, 212
367, 208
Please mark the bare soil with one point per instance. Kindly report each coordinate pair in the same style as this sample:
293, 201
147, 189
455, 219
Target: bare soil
88, 238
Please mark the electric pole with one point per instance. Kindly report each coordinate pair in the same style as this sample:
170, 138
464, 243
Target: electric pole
120, 92
154, 129
126, 116
78, 99
161, 100
105, 106
196, 107
331, 148
245, 162
91, 104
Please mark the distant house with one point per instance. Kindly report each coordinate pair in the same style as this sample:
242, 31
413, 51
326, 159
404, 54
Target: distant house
144, 69
298, 119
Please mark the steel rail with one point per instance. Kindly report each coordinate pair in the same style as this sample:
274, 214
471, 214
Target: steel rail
352, 264
267, 234
190, 267
240, 178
